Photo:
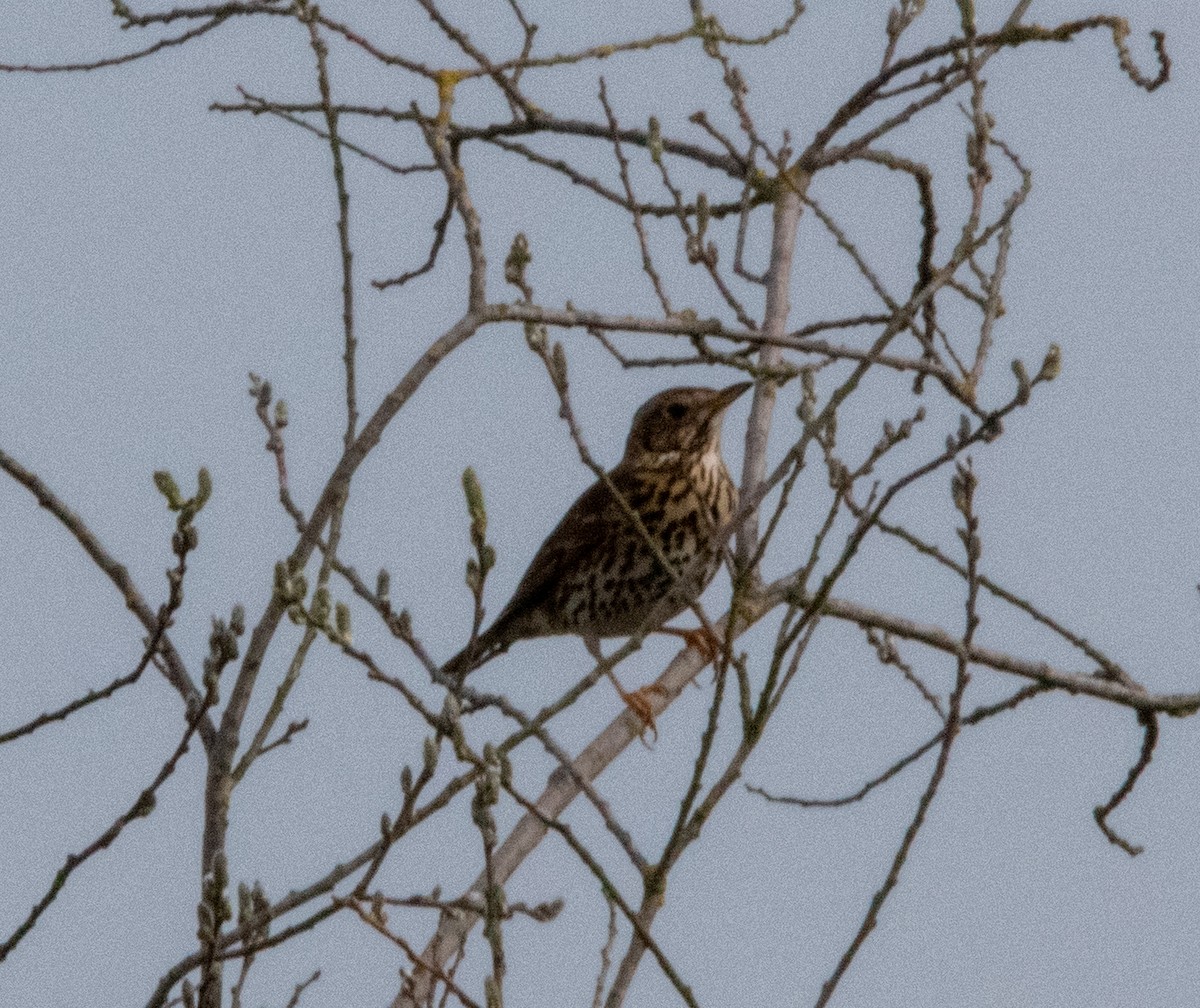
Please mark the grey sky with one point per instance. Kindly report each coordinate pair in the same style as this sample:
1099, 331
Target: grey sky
157, 252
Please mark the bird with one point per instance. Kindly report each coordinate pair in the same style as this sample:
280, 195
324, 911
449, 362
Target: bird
597, 574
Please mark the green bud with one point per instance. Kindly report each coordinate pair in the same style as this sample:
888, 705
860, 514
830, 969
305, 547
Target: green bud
169, 489
203, 488
321, 605
144, 805
558, 359
491, 992
259, 896
1023, 383
204, 923
806, 411
475, 506
962, 489
966, 10
1052, 365
281, 414
654, 142
341, 615
377, 911
383, 584
535, 336
519, 257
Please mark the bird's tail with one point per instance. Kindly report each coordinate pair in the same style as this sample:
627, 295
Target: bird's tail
479, 652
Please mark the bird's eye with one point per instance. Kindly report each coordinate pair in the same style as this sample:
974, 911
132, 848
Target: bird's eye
676, 411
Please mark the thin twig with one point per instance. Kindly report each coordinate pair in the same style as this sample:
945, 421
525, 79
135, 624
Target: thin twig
1149, 722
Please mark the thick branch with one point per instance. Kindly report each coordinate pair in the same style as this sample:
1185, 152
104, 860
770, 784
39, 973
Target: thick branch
788, 207
562, 788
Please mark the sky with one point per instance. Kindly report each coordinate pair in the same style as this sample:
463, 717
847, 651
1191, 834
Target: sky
158, 251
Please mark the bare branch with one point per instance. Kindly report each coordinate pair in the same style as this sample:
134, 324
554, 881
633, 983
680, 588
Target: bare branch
111, 61
1149, 722
174, 670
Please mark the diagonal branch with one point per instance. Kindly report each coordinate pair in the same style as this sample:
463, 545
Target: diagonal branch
173, 668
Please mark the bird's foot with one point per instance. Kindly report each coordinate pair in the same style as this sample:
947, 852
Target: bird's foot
641, 702
701, 640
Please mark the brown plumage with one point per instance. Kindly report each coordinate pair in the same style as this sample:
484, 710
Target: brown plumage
596, 575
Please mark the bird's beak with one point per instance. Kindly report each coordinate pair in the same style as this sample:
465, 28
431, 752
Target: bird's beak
722, 399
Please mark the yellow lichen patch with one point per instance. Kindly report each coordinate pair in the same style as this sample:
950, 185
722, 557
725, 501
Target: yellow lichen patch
447, 81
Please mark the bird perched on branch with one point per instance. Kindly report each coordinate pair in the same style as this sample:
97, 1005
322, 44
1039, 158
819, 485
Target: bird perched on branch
598, 574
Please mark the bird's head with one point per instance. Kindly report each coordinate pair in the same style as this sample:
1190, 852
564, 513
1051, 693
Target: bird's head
679, 422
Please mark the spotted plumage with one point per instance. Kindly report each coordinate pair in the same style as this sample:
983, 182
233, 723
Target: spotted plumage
596, 575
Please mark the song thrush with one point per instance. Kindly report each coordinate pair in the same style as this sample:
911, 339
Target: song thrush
596, 575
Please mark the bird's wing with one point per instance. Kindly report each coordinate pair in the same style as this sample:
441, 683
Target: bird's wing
584, 530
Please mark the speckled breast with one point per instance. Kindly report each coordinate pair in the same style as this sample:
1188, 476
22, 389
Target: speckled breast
628, 589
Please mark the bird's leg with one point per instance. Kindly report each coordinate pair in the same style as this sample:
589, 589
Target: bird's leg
701, 640
639, 701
